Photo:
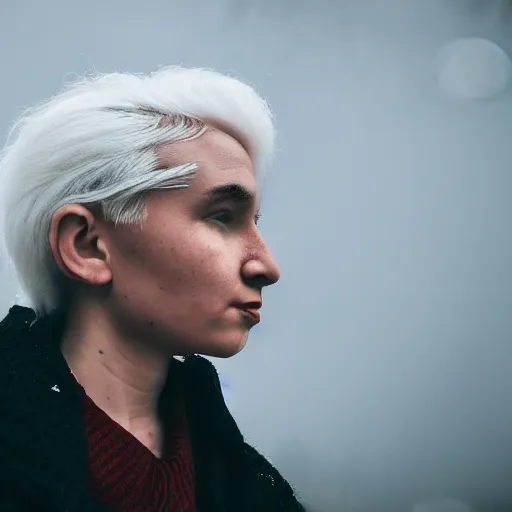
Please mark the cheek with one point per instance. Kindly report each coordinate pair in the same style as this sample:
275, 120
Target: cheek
181, 291
202, 273
195, 272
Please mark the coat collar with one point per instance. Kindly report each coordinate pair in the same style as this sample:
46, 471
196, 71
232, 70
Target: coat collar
43, 441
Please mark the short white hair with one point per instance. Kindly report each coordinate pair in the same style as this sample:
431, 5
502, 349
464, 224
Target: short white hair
94, 144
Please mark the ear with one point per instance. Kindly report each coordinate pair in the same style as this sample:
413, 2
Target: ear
78, 245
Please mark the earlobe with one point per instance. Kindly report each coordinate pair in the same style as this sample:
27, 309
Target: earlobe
77, 247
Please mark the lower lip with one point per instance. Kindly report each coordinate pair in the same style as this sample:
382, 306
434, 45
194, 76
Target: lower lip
252, 315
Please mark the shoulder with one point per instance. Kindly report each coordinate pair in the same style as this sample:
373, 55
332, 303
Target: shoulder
19, 344
263, 485
17, 321
14, 339
254, 484
29, 356
25, 336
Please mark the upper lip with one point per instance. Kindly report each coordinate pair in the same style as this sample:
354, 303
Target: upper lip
250, 306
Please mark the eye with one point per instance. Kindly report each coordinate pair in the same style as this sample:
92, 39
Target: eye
257, 218
222, 217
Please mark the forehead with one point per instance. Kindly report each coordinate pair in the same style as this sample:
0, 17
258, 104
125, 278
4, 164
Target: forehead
221, 159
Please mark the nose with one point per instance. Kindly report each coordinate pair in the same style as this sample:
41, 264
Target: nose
261, 269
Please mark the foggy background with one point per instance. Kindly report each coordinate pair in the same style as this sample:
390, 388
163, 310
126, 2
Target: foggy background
381, 374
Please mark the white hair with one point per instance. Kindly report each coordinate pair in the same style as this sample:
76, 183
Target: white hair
94, 144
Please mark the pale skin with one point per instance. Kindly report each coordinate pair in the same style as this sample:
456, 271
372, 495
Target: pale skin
178, 284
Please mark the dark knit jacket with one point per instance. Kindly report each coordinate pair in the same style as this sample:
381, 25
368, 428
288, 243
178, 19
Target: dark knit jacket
43, 452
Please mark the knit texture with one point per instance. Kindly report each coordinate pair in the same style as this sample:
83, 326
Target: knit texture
126, 476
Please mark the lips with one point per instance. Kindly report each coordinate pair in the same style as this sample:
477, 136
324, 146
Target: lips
250, 310
252, 314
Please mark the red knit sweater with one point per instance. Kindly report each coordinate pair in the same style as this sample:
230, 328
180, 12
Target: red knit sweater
125, 475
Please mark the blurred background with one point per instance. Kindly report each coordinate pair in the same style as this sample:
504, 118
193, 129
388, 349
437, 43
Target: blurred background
380, 379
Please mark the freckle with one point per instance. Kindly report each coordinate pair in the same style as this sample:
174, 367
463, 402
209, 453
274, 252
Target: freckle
125, 296
100, 351
161, 287
108, 398
151, 323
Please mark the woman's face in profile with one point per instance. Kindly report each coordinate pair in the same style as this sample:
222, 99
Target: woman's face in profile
189, 279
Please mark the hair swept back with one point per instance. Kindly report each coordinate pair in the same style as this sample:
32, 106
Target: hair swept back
94, 144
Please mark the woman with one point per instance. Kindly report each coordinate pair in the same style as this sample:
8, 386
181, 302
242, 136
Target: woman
129, 209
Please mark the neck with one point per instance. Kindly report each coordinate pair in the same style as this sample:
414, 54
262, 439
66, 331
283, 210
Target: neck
122, 376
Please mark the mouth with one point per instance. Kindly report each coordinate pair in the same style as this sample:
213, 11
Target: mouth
253, 315
250, 311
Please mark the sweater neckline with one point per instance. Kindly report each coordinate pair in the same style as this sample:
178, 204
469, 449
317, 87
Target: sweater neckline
172, 415
124, 473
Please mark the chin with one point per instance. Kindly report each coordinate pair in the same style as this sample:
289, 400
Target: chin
226, 348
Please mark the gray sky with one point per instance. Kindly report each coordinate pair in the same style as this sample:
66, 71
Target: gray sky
381, 372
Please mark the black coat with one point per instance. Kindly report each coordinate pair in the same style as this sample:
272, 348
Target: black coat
43, 465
